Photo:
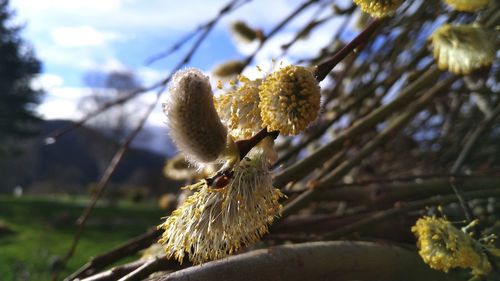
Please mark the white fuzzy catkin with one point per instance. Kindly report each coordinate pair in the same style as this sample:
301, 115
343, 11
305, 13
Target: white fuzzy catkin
192, 119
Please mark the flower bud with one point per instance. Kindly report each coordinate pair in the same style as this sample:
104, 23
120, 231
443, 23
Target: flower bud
243, 32
192, 119
229, 68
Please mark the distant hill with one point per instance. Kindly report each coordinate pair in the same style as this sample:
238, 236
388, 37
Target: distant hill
76, 160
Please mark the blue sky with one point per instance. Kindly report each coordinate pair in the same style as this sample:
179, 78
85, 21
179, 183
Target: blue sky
72, 38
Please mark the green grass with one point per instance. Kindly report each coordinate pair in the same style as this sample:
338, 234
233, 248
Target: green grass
44, 230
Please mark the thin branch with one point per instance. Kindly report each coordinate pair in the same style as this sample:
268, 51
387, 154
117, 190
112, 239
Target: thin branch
466, 150
324, 68
304, 166
313, 23
103, 182
399, 122
469, 146
185, 60
277, 28
129, 248
228, 8
114, 273
349, 104
376, 194
119, 154
339, 113
405, 208
53, 136
150, 266
395, 126
244, 146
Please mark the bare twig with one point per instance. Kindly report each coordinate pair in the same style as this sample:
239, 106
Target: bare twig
313, 23
376, 194
103, 182
150, 266
396, 125
277, 28
129, 248
228, 8
244, 146
114, 273
405, 208
53, 136
474, 137
304, 166
379, 140
324, 68
185, 60
340, 112
123, 148
468, 147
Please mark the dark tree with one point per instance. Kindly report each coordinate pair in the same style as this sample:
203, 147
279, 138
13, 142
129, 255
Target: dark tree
18, 65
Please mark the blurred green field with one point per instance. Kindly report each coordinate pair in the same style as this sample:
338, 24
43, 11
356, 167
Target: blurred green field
43, 230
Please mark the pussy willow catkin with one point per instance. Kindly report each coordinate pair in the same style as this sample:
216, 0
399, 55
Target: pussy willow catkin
468, 5
192, 119
462, 49
378, 8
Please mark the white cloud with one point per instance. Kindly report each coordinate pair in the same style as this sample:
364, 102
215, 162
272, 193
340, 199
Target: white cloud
149, 76
266, 14
109, 65
47, 81
73, 94
157, 117
56, 25
145, 15
63, 102
69, 6
56, 108
81, 36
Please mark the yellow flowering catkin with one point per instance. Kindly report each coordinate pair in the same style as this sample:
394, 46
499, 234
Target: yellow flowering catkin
193, 122
239, 109
379, 8
462, 49
468, 5
443, 246
214, 223
289, 100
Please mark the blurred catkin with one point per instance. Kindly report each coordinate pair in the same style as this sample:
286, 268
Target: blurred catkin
243, 32
229, 69
467, 5
379, 8
462, 49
